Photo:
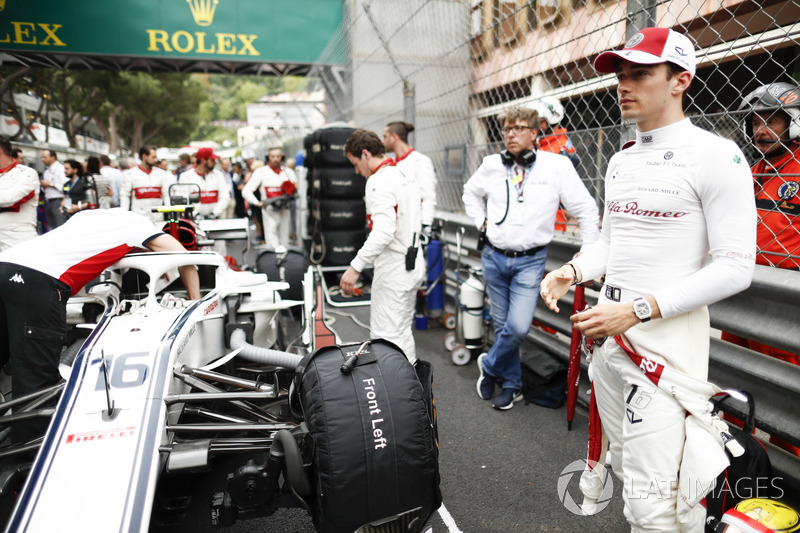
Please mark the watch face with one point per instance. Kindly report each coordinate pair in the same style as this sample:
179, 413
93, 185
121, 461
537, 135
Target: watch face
642, 309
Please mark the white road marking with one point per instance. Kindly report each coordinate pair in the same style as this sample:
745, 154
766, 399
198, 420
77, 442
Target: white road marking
447, 518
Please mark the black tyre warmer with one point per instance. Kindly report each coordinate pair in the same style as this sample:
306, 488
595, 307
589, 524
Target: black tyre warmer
375, 449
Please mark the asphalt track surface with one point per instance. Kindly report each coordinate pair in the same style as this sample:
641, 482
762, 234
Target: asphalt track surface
499, 469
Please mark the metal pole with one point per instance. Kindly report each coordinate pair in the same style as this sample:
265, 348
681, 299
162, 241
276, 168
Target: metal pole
409, 109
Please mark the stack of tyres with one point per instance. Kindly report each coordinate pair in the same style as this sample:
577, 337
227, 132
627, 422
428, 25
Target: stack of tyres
336, 196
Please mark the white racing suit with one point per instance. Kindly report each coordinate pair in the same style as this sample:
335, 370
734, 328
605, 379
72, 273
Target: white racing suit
277, 218
142, 190
677, 194
421, 168
215, 195
393, 212
19, 196
665, 445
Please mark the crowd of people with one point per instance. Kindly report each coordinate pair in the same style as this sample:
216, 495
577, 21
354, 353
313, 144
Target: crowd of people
139, 184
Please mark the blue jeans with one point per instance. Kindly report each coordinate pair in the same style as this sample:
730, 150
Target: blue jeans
513, 287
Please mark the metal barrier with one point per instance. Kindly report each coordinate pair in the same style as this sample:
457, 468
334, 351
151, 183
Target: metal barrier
768, 312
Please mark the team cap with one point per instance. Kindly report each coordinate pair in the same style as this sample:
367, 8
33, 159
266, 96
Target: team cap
649, 47
206, 153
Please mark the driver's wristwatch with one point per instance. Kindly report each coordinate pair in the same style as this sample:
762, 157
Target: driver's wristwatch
642, 309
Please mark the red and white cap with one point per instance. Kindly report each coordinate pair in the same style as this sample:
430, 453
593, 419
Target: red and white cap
649, 47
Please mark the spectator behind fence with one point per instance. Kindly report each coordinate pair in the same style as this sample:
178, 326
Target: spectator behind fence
52, 183
553, 138
513, 198
19, 196
392, 248
674, 195
772, 123
419, 166
552, 135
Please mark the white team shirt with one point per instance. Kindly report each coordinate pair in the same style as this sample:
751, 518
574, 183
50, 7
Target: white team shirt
19, 196
215, 195
269, 182
530, 223
54, 174
393, 214
421, 168
88, 243
141, 191
675, 195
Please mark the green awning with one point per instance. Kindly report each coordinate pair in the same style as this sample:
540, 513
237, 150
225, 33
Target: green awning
237, 36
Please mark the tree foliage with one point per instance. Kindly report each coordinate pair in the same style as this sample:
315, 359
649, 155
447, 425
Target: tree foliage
130, 108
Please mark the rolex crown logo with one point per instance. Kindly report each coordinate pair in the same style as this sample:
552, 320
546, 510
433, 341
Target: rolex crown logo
202, 10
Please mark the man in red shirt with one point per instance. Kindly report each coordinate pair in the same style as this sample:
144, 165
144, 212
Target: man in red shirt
773, 122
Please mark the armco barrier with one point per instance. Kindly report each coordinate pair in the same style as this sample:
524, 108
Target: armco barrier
769, 312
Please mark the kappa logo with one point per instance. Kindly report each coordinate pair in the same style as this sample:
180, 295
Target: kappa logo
17, 278
202, 11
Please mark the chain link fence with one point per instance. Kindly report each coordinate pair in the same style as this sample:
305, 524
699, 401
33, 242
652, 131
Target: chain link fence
450, 67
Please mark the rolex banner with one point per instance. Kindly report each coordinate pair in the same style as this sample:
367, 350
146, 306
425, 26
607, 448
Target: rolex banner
278, 31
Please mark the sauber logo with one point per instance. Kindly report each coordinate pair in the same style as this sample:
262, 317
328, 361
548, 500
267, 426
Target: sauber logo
632, 208
105, 434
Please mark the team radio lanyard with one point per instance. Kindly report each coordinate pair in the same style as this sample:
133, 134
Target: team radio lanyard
518, 181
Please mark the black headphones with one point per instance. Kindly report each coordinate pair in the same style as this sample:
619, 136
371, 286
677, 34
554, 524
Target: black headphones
525, 158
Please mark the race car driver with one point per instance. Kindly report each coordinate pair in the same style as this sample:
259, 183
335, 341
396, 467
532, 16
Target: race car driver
145, 186
37, 278
277, 185
215, 195
393, 212
19, 194
675, 195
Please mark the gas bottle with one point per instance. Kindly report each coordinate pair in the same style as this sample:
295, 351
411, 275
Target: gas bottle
470, 317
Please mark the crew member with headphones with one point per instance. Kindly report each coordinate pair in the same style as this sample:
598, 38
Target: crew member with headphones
277, 184
513, 198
